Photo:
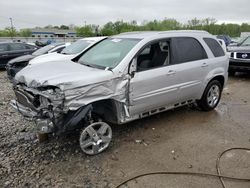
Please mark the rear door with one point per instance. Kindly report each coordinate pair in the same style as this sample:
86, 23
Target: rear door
4, 54
191, 61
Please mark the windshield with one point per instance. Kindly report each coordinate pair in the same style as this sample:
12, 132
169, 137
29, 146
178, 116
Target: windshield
43, 50
77, 47
246, 42
108, 53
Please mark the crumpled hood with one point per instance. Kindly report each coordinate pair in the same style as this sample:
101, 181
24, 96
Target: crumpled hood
243, 49
52, 57
21, 59
63, 74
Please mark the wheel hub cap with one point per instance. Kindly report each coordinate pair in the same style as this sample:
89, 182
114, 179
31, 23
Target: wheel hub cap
213, 95
95, 138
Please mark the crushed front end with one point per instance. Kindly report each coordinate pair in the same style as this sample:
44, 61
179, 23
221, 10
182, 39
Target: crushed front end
44, 105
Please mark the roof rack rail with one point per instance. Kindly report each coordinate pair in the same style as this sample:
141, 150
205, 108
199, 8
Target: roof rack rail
137, 32
183, 31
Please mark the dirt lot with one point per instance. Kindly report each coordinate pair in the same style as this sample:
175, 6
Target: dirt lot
181, 140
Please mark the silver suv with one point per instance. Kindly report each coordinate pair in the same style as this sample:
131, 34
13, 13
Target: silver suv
121, 79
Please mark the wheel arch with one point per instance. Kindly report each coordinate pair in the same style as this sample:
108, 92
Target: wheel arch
109, 110
220, 78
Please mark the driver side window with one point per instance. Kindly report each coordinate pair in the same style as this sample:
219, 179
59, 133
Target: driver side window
153, 55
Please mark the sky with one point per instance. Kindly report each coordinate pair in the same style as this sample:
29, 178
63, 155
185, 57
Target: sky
32, 13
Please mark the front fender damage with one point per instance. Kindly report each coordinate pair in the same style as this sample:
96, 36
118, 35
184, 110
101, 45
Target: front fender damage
59, 114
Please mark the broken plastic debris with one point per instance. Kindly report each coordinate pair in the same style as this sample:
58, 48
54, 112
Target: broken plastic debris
138, 141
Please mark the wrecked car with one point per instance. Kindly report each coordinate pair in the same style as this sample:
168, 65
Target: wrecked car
122, 78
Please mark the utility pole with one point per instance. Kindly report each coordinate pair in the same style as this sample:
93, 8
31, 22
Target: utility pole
12, 28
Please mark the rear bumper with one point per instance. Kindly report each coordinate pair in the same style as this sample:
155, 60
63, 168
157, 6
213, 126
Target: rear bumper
2, 65
12, 71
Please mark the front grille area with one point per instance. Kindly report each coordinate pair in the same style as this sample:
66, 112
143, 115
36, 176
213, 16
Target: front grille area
243, 55
25, 99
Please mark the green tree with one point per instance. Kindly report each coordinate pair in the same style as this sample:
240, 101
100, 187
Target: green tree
86, 31
25, 33
108, 29
11, 32
64, 27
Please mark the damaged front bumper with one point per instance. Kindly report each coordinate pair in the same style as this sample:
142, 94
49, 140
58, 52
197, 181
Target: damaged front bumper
25, 111
43, 106
43, 125
46, 109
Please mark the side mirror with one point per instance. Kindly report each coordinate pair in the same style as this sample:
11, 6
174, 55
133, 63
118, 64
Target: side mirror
132, 68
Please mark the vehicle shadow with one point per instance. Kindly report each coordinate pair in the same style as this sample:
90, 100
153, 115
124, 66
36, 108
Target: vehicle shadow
241, 75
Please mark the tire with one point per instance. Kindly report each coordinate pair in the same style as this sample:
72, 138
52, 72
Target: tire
95, 138
211, 96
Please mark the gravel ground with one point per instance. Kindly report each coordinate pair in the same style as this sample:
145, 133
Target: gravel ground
180, 140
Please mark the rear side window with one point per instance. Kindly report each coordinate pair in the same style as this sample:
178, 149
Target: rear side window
17, 46
186, 49
3, 47
29, 46
215, 47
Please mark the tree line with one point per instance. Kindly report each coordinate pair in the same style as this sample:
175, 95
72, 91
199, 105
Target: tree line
112, 28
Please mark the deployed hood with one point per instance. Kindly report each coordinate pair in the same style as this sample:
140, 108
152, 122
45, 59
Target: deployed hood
243, 49
63, 74
21, 59
52, 57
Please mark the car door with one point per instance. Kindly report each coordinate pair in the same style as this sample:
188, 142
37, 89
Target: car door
190, 59
152, 87
4, 54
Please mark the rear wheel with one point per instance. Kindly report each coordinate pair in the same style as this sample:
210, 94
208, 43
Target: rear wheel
211, 96
95, 138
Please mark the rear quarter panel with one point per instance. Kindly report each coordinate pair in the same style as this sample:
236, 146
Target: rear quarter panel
218, 66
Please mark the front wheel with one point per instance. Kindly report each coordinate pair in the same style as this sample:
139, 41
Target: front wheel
211, 96
95, 138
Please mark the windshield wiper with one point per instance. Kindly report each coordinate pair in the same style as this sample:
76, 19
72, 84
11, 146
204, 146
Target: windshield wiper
93, 65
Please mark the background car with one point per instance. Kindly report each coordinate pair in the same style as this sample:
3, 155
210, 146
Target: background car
69, 52
223, 45
239, 57
226, 39
16, 64
10, 50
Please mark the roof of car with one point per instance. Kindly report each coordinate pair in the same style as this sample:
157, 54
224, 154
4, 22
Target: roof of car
93, 38
146, 34
9, 42
57, 44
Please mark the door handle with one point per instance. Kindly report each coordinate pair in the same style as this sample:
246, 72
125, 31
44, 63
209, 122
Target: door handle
5, 55
171, 72
204, 65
